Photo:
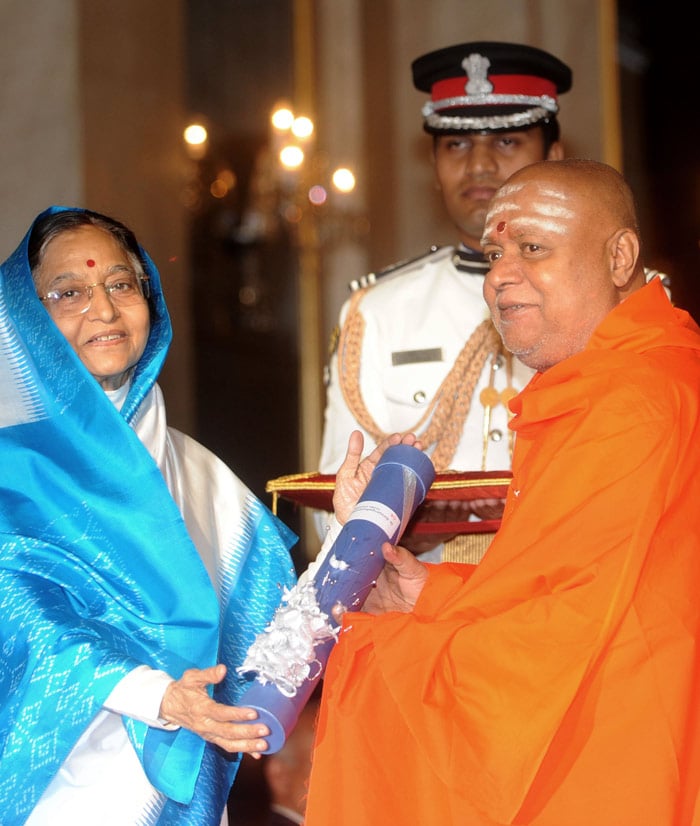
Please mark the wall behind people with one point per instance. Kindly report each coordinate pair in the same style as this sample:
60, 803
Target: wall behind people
40, 127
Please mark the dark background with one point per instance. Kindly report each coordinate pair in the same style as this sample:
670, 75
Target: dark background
660, 121
244, 283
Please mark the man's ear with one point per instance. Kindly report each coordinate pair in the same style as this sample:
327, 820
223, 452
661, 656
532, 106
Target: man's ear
624, 254
556, 151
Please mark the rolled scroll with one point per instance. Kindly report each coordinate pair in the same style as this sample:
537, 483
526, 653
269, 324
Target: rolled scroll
289, 657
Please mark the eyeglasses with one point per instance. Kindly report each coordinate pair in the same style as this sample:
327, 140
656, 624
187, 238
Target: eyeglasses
74, 298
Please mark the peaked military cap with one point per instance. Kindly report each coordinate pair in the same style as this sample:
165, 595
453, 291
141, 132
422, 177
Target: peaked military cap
487, 86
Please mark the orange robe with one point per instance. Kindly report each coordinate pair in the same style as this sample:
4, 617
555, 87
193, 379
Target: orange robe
557, 683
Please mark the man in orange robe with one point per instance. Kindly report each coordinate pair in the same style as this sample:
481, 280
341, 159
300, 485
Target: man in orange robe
557, 683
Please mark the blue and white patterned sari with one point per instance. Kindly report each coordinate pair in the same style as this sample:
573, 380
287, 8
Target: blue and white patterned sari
99, 563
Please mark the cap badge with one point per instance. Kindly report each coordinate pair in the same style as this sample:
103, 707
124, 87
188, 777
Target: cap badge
477, 66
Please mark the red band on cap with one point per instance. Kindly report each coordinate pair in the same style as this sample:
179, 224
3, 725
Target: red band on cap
530, 85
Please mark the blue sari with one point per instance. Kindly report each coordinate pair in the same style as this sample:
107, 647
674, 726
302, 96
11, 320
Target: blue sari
98, 572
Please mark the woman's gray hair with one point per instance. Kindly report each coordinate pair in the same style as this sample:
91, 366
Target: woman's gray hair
54, 224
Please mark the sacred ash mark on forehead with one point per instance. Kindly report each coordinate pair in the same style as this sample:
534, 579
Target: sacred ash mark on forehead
545, 212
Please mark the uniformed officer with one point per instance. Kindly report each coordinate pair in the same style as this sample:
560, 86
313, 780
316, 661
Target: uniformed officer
416, 349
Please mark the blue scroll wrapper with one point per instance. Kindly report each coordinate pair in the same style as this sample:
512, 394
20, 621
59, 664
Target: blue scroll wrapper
289, 657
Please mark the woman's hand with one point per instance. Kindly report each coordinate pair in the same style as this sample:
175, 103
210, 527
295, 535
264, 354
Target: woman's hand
187, 703
354, 474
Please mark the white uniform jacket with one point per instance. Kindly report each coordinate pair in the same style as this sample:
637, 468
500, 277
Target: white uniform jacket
417, 319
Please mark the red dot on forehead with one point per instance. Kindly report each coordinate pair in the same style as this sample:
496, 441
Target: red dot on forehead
90, 262
501, 226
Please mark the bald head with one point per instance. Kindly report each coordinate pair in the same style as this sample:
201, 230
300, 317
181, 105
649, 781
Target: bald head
595, 187
563, 243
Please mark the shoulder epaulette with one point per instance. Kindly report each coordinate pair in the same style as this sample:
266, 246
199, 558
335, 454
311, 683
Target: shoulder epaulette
650, 273
405, 265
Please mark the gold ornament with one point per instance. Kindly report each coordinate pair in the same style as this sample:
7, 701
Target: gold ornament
489, 397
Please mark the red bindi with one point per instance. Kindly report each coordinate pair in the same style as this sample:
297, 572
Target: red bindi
501, 226
90, 262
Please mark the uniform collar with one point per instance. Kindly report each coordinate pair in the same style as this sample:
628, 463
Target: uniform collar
469, 261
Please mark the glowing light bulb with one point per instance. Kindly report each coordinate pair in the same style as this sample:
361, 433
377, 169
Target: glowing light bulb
302, 127
343, 180
195, 134
291, 157
282, 119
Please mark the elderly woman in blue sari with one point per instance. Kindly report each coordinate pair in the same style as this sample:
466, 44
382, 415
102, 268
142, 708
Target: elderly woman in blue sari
135, 568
